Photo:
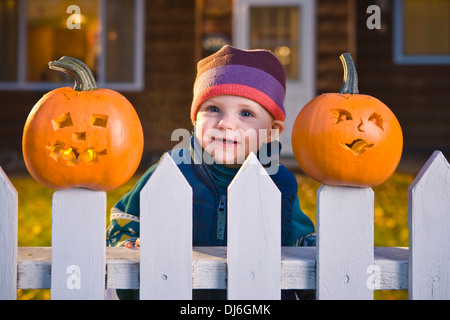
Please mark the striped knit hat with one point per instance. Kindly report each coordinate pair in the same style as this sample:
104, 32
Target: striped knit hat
253, 74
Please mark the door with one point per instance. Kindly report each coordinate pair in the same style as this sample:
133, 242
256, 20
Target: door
288, 29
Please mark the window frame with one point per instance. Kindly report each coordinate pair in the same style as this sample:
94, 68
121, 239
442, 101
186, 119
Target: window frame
400, 57
21, 84
306, 70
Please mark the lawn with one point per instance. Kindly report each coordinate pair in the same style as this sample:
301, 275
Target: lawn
391, 216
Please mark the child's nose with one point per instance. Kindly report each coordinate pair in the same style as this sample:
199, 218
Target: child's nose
227, 123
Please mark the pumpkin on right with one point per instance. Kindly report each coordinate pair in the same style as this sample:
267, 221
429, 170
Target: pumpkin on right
347, 138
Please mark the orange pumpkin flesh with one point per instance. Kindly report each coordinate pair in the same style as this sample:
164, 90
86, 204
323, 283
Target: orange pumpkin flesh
85, 137
347, 138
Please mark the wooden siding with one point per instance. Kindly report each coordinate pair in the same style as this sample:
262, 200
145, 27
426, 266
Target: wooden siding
170, 72
335, 35
419, 95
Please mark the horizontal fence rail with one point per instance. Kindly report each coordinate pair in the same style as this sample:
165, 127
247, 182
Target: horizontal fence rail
343, 265
209, 268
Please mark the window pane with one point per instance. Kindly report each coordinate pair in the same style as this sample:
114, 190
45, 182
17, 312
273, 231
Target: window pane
8, 39
49, 37
120, 41
427, 26
277, 29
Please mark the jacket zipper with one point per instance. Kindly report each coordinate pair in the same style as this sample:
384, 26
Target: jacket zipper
221, 218
221, 209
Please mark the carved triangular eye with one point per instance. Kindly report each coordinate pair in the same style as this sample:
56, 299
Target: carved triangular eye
62, 121
99, 120
377, 119
341, 115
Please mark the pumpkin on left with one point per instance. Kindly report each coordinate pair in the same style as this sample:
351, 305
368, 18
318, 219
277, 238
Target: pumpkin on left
82, 136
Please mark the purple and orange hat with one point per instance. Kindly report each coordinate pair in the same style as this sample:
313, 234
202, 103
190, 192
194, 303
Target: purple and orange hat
253, 74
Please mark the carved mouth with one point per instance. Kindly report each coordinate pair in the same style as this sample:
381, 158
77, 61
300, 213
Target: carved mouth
358, 146
73, 156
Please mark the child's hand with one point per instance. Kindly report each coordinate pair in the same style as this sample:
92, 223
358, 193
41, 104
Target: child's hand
129, 244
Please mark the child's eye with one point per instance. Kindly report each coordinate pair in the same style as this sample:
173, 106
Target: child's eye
246, 113
213, 109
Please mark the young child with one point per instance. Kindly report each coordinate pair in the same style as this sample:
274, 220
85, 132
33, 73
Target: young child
237, 109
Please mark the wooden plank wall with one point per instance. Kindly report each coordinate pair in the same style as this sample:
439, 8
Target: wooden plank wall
419, 95
335, 35
170, 72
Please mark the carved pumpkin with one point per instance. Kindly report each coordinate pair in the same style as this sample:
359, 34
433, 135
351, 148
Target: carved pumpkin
82, 137
347, 138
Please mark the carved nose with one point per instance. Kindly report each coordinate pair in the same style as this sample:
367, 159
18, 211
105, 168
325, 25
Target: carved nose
360, 126
79, 136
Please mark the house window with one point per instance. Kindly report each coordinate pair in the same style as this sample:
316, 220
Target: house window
34, 32
276, 29
422, 31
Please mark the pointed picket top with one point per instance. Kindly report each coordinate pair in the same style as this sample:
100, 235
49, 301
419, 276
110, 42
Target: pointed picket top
166, 234
168, 169
8, 238
429, 222
436, 166
6, 185
251, 166
254, 234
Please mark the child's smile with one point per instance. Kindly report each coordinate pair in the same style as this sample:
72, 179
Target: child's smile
225, 142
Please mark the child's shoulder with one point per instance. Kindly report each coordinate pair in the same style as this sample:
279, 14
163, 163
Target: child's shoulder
284, 177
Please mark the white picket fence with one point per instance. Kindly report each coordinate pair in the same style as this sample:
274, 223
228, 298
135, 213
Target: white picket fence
343, 265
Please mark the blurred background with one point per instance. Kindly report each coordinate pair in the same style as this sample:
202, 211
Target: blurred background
148, 50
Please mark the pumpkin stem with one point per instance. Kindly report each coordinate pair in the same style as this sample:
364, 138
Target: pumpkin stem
80, 72
350, 76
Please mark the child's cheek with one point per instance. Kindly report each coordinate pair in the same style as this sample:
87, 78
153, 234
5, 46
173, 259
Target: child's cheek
200, 134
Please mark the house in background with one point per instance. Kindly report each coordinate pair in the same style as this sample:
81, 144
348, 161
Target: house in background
148, 51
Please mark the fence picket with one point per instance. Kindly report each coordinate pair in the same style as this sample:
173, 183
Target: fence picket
166, 234
78, 244
345, 226
8, 238
429, 225
254, 234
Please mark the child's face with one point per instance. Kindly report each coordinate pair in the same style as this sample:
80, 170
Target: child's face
230, 127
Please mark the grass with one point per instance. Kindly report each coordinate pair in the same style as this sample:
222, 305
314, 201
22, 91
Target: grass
391, 216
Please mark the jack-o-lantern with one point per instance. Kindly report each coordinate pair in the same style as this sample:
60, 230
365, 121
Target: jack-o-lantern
347, 138
82, 136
